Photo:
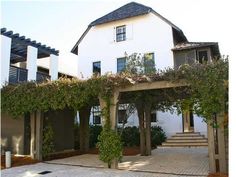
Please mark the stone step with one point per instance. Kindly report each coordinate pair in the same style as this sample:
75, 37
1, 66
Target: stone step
187, 137
184, 144
186, 134
186, 140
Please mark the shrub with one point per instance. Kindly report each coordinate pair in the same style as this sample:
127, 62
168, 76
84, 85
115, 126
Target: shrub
130, 136
47, 145
110, 146
158, 136
94, 132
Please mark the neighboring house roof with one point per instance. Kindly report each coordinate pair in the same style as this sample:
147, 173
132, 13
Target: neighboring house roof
19, 47
193, 45
127, 11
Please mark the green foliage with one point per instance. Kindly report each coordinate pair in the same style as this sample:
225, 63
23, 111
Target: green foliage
140, 64
47, 145
158, 136
110, 146
29, 97
130, 136
206, 90
94, 132
208, 87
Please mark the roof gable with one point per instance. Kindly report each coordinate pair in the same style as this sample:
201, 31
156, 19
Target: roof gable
129, 10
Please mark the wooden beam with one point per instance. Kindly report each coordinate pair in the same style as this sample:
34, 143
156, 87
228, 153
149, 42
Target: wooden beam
152, 86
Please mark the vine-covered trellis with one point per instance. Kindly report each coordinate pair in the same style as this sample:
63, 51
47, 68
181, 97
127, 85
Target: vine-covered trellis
205, 91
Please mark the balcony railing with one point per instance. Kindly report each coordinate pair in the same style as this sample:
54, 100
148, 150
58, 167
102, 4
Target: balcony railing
40, 77
17, 75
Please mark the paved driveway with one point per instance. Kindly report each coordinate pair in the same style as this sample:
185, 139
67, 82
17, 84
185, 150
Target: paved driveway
164, 162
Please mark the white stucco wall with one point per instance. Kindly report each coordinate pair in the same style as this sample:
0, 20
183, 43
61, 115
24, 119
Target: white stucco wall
147, 33
5, 59
200, 125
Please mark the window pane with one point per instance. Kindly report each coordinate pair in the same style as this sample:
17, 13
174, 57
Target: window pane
96, 115
121, 64
149, 62
120, 33
202, 56
97, 67
121, 116
153, 117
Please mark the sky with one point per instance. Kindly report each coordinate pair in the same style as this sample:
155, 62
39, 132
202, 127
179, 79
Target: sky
59, 24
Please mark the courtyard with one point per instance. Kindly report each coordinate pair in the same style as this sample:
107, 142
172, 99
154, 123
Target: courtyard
164, 162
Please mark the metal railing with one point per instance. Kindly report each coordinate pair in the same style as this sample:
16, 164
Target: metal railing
17, 74
40, 77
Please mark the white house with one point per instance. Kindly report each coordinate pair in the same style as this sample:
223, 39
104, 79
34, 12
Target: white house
135, 28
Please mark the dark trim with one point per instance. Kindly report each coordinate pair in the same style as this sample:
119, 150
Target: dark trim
17, 39
74, 50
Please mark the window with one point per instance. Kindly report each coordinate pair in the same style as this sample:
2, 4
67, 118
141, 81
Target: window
202, 56
149, 63
97, 67
120, 33
96, 115
121, 116
121, 64
153, 117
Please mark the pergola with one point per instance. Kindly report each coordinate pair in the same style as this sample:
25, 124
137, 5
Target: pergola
216, 138
17, 48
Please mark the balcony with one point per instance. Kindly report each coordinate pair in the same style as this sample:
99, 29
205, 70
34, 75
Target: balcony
40, 77
18, 75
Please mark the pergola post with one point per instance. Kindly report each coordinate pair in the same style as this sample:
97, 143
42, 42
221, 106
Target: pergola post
5, 59
84, 115
186, 121
32, 55
36, 124
113, 117
216, 146
53, 70
147, 115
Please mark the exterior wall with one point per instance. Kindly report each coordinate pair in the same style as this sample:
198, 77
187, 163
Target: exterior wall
12, 134
5, 59
200, 125
62, 122
147, 33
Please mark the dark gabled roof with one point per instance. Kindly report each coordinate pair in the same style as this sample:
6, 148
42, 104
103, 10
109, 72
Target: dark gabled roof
194, 45
19, 47
129, 10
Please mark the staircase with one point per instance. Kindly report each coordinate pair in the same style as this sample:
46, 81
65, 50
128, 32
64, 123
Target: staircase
186, 139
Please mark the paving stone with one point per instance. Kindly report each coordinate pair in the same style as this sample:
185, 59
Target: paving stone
164, 162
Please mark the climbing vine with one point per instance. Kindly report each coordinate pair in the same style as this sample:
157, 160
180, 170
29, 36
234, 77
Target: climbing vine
206, 90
